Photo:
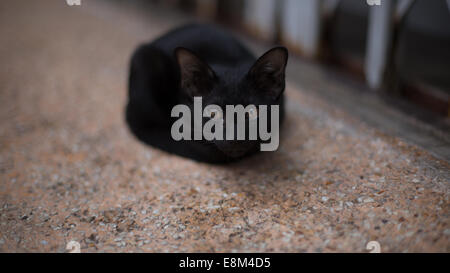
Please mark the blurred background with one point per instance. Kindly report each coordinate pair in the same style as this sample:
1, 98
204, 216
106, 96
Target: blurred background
401, 47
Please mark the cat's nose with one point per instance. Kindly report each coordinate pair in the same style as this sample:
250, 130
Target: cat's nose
235, 151
234, 148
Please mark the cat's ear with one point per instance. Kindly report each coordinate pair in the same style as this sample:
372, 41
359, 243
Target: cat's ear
197, 78
268, 72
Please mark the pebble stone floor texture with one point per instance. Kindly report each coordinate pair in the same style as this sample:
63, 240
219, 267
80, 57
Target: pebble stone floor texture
70, 169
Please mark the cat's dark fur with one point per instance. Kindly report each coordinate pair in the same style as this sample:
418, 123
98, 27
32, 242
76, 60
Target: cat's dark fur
199, 60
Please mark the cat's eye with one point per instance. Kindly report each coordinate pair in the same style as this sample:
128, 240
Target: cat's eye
214, 113
252, 113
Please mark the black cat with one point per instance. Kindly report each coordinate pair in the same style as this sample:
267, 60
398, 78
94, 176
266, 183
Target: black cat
200, 61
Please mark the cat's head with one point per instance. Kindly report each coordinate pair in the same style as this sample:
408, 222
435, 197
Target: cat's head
258, 83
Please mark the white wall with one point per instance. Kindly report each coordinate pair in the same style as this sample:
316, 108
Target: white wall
300, 23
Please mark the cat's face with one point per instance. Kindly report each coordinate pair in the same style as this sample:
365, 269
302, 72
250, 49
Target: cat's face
260, 83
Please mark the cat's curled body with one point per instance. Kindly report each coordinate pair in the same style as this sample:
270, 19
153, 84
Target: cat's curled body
199, 61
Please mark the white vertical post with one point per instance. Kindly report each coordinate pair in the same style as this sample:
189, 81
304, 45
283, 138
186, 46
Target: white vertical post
300, 23
379, 38
260, 17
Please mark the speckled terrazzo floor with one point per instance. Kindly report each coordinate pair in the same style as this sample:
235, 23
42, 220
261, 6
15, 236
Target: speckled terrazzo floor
70, 170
